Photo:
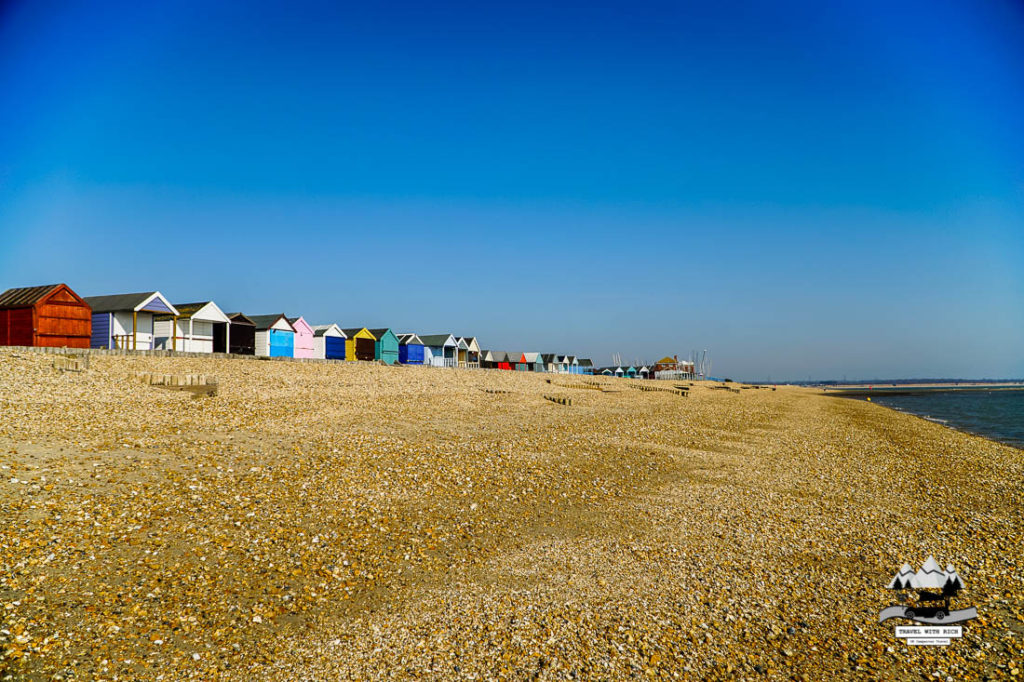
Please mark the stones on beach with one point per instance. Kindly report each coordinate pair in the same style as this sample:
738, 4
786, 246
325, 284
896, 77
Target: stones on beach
412, 525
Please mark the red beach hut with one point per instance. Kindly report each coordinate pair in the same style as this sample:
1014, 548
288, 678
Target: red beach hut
49, 315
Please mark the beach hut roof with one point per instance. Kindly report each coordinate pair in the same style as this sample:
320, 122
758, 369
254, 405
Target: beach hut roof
134, 302
352, 331
406, 339
264, 322
239, 318
322, 329
471, 343
531, 357
586, 362
379, 332
191, 309
24, 297
300, 321
438, 340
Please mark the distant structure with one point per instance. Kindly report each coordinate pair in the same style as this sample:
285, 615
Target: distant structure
674, 368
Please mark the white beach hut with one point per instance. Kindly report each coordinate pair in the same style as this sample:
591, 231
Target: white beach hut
328, 342
125, 321
201, 328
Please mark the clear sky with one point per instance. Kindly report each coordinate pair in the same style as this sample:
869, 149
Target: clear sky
807, 189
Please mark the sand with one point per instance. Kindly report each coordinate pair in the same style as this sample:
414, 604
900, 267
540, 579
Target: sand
353, 521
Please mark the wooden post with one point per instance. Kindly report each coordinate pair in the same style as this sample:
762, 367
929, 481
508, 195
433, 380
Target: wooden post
135, 327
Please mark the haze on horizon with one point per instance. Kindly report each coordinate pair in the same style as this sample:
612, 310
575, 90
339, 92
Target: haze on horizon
807, 189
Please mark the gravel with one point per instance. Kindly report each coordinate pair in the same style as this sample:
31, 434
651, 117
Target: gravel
350, 520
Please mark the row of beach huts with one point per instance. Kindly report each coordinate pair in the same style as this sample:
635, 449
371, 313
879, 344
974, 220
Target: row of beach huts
54, 315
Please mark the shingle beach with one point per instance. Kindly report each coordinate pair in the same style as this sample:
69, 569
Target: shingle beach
322, 521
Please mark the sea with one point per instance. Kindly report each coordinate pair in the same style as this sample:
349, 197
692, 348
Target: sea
998, 415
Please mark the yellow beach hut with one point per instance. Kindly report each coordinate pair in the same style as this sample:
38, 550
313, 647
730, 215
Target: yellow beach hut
359, 344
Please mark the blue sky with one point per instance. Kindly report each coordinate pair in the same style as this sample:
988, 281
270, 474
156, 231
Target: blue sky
805, 189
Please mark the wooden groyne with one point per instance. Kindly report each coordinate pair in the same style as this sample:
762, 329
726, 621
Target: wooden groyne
66, 363
197, 384
661, 389
576, 384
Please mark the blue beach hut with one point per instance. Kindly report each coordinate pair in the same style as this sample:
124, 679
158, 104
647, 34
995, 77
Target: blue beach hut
275, 336
328, 342
126, 320
410, 349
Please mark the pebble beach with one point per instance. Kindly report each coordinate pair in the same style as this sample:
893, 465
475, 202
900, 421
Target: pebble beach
336, 521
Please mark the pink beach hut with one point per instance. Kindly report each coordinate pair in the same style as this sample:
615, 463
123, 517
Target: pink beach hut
304, 346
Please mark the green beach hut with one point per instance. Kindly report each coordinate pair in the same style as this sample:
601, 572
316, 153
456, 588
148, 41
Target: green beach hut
385, 346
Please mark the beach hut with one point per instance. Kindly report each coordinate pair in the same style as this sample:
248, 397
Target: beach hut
534, 362
241, 334
500, 359
275, 336
385, 346
630, 373
586, 366
126, 320
555, 363
441, 349
50, 315
360, 344
304, 346
607, 371
644, 373
410, 349
572, 364
494, 359
198, 328
469, 352
328, 342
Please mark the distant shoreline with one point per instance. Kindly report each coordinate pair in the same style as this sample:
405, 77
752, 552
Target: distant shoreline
860, 390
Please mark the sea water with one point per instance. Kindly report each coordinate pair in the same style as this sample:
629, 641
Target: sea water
998, 415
